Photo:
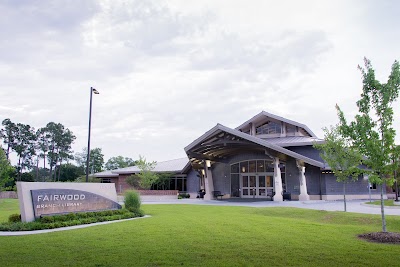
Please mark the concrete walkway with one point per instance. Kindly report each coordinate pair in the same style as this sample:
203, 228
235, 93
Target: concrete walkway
357, 206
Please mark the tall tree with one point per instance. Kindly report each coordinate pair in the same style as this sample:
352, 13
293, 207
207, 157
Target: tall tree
371, 131
96, 159
24, 146
59, 141
119, 162
8, 134
341, 156
6, 171
69, 172
43, 139
64, 148
54, 131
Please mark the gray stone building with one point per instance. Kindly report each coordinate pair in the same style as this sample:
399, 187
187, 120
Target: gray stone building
267, 156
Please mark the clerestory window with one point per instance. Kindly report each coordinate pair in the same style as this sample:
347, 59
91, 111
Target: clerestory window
269, 127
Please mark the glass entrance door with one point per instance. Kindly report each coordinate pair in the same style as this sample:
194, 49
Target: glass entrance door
256, 185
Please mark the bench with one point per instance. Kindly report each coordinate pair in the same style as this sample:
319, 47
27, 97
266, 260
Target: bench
217, 194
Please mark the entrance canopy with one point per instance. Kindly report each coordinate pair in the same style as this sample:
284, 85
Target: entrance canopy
221, 142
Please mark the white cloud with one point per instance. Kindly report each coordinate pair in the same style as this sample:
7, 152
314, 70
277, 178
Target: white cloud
169, 71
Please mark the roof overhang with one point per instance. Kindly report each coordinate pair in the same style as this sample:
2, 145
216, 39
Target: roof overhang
220, 142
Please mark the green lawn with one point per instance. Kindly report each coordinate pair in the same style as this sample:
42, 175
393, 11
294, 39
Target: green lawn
192, 235
386, 202
7, 207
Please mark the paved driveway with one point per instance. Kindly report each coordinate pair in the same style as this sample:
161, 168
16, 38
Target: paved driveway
358, 206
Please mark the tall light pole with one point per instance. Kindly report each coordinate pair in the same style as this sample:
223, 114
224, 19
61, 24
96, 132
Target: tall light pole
92, 91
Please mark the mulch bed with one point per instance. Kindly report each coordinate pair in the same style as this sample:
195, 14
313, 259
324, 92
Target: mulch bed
382, 237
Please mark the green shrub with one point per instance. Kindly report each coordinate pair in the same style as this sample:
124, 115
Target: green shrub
71, 216
138, 213
132, 201
14, 218
47, 219
63, 220
183, 195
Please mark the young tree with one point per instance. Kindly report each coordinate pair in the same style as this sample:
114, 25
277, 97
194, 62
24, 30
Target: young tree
119, 162
371, 131
147, 176
342, 158
6, 171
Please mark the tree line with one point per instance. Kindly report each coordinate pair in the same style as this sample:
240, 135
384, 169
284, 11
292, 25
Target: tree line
51, 146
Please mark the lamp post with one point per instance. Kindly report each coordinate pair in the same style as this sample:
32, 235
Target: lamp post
92, 91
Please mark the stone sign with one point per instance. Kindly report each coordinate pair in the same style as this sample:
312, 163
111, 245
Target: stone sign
37, 198
59, 201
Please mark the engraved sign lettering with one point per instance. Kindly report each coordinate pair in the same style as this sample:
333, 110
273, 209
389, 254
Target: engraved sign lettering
59, 201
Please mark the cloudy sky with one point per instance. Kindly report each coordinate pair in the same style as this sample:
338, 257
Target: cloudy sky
168, 71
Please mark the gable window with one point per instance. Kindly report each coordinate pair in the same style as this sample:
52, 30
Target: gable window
269, 127
290, 130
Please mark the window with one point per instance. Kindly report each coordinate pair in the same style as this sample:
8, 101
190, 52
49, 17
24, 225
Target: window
255, 166
174, 183
235, 168
290, 130
106, 180
372, 186
244, 166
252, 166
269, 127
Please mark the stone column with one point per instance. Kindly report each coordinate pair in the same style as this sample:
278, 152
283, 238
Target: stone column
303, 184
208, 184
278, 181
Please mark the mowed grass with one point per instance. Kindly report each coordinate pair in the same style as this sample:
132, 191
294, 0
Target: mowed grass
195, 235
386, 202
7, 207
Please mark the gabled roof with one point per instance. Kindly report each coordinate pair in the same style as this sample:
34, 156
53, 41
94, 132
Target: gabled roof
221, 128
175, 166
276, 117
295, 141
